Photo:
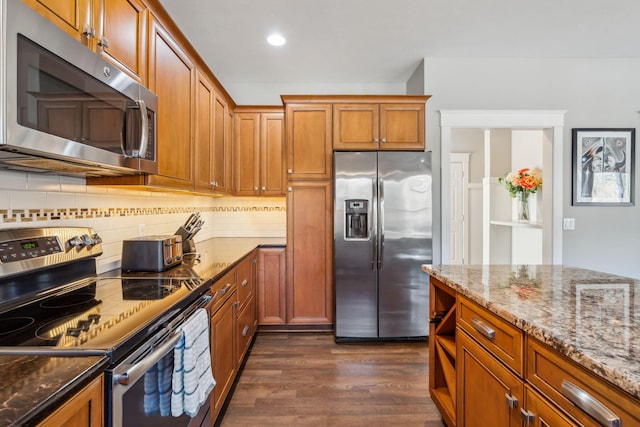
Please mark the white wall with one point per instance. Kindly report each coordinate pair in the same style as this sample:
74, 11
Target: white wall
595, 93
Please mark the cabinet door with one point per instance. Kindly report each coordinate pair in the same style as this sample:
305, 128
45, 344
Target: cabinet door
539, 412
356, 127
122, 35
84, 409
483, 387
221, 145
272, 176
309, 151
246, 280
245, 329
402, 127
309, 253
223, 349
246, 154
272, 282
203, 179
72, 16
172, 77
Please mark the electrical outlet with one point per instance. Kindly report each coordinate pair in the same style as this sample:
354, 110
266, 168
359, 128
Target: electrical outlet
140, 229
569, 224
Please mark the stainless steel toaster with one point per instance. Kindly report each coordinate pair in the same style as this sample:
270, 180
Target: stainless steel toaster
151, 253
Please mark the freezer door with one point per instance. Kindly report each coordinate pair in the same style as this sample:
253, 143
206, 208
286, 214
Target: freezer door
354, 245
405, 230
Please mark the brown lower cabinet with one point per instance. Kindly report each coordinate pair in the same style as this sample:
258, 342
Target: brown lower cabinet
478, 378
233, 325
272, 287
84, 409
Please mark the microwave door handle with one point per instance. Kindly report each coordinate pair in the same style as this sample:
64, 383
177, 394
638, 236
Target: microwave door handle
123, 134
144, 134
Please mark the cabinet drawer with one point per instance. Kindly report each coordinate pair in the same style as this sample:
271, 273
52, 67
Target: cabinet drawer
502, 339
222, 289
543, 412
244, 281
558, 377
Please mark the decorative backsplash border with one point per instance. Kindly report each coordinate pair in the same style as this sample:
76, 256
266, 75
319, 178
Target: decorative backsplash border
35, 215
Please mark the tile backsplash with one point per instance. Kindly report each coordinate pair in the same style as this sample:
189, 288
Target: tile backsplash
41, 200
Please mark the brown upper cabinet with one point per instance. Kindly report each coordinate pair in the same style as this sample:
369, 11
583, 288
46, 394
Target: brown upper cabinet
204, 121
308, 139
172, 78
116, 29
222, 125
259, 151
398, 123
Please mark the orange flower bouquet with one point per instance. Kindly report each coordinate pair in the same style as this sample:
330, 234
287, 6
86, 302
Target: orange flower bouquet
520, 185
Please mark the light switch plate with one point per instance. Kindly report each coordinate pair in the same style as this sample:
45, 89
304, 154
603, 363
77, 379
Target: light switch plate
569, 224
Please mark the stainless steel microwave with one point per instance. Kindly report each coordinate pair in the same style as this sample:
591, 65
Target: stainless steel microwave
66, 110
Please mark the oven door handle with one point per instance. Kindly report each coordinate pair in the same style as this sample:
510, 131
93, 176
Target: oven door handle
137, 370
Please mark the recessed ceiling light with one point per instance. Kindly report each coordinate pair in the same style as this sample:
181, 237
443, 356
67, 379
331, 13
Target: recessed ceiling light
276, 40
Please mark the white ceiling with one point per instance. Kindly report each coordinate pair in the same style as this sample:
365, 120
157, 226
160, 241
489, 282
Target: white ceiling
383, 41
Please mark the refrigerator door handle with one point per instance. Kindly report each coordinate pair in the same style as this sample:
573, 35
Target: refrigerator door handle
374, 225
381, 233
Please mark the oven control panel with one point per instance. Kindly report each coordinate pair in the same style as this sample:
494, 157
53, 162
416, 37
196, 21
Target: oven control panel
23, 250
19, 250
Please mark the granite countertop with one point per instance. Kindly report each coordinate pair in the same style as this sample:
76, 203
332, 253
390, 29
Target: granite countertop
591, 317
214, 257
32, 385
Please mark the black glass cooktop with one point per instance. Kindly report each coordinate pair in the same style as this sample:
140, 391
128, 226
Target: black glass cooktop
95, 314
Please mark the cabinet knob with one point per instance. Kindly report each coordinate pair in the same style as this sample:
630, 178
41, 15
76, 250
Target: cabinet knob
255, 188
289, 189
375, 140
264, 188
384, 139
289, 170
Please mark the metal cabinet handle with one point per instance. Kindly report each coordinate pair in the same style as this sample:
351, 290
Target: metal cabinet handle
527, 417
512, 402
226, 289
88, 31
104, 42
589, 404
245, 282
484, 329
245, 331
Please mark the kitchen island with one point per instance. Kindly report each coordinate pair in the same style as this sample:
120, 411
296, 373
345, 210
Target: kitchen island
535, 320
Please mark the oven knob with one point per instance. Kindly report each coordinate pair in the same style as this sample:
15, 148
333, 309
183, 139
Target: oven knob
74, 332
96, 239
84, 325
87, 240
76, 242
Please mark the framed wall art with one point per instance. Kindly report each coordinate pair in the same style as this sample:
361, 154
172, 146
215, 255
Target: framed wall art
603, 166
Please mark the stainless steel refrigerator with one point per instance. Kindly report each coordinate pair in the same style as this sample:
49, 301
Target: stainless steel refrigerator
382, 235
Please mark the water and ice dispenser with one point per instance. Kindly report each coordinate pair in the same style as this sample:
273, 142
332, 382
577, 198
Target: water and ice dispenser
356, 220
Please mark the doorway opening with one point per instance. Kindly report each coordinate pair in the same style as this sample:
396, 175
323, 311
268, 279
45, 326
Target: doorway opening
477, 227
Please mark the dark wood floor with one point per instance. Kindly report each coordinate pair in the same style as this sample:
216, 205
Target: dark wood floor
305, 379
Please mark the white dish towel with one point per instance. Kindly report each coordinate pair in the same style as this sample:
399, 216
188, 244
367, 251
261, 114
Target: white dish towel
192, 377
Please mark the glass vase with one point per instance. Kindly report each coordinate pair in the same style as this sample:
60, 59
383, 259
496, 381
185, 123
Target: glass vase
523, 207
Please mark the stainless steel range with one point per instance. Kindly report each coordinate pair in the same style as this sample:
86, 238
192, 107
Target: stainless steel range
52, 302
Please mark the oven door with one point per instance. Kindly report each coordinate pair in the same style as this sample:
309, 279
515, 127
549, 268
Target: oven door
139, 387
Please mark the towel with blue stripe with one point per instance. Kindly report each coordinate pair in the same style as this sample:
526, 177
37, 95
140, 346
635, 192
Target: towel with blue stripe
192, 376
